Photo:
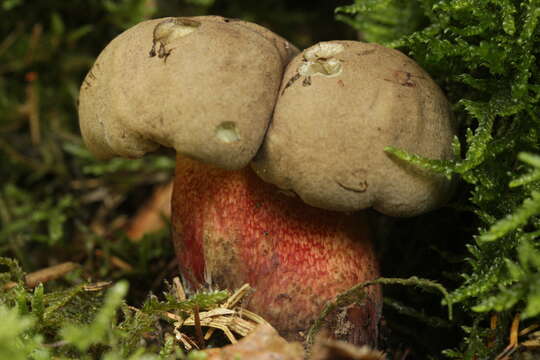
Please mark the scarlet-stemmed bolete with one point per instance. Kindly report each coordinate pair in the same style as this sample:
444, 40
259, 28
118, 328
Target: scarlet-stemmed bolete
229, 228
208, 87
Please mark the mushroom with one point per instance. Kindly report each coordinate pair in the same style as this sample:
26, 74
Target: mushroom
207, 87
231, 228
203, 86
341, 103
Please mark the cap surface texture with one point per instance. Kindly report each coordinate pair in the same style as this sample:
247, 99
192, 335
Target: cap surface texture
340, 104
203, 86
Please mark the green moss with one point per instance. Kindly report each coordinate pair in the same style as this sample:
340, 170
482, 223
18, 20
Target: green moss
89, 321
483, 53
58, 203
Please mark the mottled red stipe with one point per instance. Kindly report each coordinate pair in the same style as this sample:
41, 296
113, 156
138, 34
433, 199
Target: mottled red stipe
239, 229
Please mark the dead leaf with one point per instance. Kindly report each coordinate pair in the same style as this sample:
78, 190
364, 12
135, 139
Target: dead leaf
149, 218
329, 349
262, 344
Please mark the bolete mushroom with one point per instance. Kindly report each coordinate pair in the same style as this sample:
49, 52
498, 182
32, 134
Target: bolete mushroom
231, 228
207, 87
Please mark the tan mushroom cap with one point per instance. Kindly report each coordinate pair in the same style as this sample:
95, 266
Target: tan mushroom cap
341, 103
204, 87
285, 49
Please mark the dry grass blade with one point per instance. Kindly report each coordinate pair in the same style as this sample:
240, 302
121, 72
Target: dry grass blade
237, 296
253, 317
241, 326
97, 286
179, 289
533, 343
228, 318
115, 261
529, 329
185, 340
231, 302
514, 331
46, 274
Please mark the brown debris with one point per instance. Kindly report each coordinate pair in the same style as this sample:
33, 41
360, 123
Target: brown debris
46, 274
262, 344
265, 344
115, 261
98, 286
150, 217
228, 318
30, 108
328, 349
260, 341
525, 349
179, 289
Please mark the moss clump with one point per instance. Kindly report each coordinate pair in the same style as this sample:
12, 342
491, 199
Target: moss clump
484, 55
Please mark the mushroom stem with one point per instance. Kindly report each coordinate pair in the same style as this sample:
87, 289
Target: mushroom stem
230, 228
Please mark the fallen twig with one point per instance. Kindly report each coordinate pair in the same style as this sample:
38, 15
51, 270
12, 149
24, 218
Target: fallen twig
46, 274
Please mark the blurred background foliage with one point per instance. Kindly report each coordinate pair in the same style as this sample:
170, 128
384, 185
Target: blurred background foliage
58, 204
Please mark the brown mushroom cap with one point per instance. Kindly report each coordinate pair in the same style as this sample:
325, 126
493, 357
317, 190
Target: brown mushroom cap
286, 50
205, 87
341, 103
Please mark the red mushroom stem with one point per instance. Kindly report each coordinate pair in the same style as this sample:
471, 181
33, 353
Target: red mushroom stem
231, 228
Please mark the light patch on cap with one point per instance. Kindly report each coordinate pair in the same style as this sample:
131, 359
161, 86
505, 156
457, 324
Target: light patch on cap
168, 31
320, 60
227, 133
323, 50
171, 29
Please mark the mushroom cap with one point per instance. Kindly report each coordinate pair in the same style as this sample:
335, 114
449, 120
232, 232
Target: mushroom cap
285, 49
340, 104
203, 86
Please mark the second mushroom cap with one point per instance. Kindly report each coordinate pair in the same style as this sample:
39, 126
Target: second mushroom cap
341, 103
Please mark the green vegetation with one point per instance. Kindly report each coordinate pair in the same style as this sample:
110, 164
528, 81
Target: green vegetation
484, 55
58, 204
81, 322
